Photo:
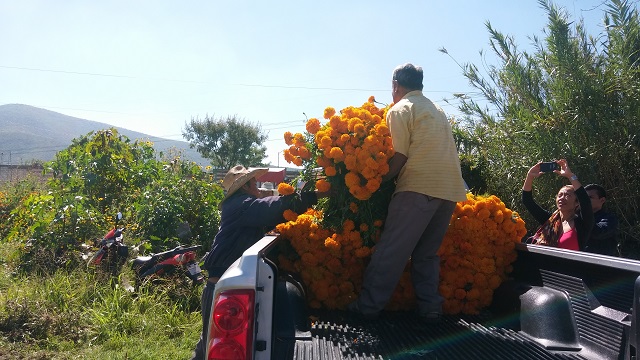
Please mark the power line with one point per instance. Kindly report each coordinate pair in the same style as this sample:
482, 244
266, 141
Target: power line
185, 81
196, 81
91, 74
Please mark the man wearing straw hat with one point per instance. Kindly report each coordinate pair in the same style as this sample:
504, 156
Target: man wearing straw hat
245, 218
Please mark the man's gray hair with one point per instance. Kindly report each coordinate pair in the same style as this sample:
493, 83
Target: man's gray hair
409, 76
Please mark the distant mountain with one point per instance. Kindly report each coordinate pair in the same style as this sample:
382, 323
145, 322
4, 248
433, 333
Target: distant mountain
29, 134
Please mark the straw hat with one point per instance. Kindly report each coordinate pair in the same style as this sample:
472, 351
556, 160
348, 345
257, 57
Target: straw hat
238, 176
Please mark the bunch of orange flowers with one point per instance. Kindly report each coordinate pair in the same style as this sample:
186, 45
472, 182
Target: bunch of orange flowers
331, 245
330, 263
349, 153
477, 252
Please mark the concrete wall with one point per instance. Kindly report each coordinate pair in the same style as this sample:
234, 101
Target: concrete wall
15, 173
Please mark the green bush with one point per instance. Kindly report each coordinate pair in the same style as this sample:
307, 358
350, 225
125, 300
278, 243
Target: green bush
181, 204
97, 176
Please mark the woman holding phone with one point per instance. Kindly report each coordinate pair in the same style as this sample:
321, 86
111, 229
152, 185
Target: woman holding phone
569, 226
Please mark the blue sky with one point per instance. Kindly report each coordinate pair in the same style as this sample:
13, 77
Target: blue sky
151, 66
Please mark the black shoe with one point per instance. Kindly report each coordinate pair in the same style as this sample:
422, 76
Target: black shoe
354, 310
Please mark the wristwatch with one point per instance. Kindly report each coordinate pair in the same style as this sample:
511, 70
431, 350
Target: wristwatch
573, 177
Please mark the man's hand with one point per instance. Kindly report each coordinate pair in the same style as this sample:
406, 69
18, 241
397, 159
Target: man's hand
396, 163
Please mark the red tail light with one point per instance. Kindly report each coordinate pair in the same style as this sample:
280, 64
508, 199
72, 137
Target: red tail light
231, 326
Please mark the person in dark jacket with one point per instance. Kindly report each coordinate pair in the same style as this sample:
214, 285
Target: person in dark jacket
245, 218
603, 238
569, 226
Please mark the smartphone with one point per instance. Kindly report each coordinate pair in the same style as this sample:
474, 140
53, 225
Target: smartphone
549, 166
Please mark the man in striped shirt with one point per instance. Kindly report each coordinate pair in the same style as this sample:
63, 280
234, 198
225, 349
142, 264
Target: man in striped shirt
429, 183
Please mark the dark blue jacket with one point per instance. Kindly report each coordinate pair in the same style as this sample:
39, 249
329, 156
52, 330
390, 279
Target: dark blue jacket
245, 220
604, 234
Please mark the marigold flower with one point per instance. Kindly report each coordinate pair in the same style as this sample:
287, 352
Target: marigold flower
288, 138
331, 243
309, 259
460, 294
353, 207
352, 179
371, 99
483, 214
335, 122
288, 157
329, 112
348, 225
350, 161
330, 171
346, 287
304, 153
313, 125
360, 193
334, 263
373, 185
285, 189
336, 154
298, 140
323, 185
323, 162
293, 150
325, 141
321, 293
363, 252
290, 215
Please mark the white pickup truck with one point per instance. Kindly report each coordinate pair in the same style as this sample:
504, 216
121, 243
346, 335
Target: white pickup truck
559, 304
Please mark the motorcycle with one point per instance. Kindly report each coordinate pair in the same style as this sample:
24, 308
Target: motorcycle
175, 261
112, 252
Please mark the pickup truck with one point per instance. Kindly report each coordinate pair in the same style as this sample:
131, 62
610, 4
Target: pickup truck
557, 304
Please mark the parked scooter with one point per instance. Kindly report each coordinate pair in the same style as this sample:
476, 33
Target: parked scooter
112, 252
178, 260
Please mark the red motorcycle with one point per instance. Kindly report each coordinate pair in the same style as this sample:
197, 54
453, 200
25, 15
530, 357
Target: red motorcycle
112, 252
178, 260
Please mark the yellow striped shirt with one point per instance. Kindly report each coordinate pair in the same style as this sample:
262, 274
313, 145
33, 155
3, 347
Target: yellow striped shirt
421, 131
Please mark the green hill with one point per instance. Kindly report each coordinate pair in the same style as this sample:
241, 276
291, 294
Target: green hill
29, 134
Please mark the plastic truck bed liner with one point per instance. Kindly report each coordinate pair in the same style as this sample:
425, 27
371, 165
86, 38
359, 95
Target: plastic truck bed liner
396, 335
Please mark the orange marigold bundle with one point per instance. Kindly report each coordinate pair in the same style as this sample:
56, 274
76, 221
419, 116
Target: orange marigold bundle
347, 154
477, 252
330, 263
355, 145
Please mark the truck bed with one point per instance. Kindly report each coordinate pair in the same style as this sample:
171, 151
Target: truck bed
396, 335
599, 291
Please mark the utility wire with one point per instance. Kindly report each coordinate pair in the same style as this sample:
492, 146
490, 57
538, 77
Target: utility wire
196, 81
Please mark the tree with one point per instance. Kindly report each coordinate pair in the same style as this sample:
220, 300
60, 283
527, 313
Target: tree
227, 141
575, 97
